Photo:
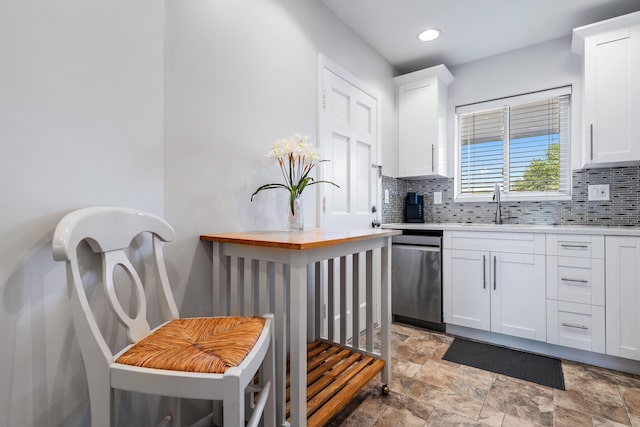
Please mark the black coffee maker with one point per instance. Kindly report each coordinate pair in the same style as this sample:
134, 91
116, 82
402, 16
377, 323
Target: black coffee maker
413, 208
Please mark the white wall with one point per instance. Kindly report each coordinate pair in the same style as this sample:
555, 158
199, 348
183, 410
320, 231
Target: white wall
81, 123
538, 67
240, 74
82, 109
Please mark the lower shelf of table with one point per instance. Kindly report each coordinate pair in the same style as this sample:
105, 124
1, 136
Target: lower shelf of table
334, 376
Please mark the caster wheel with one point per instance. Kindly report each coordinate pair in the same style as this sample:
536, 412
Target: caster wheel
385, 390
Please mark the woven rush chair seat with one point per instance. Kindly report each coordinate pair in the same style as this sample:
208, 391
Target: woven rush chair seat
204, 344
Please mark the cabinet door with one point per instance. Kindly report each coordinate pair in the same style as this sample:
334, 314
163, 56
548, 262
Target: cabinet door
417, 128
623, 296
467, 288
611, 67
518, 295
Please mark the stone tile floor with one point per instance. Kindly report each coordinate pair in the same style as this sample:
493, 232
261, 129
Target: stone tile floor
429, 391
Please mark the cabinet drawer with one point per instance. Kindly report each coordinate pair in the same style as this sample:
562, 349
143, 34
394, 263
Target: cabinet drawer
521, 243
575, 245
578, 326
575, 279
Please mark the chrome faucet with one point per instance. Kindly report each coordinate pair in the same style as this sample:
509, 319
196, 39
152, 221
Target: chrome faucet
496, 198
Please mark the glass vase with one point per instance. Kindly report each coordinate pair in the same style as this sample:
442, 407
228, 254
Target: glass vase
296, 219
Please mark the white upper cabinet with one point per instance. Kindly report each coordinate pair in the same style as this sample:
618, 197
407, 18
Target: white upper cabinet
422, 122
611, 102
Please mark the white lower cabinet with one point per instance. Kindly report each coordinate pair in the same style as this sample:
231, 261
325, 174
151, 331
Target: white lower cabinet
495, 290
575, 290
623, 296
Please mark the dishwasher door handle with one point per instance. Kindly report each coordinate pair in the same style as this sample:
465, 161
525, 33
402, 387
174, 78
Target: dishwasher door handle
418, 248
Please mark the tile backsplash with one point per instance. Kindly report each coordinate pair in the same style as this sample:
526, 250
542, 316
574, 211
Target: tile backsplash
620, 210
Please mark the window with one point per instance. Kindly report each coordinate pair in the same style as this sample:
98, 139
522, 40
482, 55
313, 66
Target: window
521, 142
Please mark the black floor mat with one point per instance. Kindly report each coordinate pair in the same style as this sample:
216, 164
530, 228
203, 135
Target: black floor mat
518, 364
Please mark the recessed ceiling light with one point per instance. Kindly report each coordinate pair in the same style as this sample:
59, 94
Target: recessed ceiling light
429, 34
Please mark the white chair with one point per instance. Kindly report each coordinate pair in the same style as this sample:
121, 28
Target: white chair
214, 358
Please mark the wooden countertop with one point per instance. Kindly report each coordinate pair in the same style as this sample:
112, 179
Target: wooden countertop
299, 240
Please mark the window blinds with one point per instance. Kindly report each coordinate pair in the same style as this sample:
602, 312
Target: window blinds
524, 146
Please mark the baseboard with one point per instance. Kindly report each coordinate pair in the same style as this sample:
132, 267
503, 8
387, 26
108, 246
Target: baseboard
561, 352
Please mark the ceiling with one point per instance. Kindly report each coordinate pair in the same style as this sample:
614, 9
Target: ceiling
471, 29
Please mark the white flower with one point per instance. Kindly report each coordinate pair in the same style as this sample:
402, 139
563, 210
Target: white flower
296, 159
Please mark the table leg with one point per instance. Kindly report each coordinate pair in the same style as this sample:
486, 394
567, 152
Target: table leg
281, 344
298, 344
385, 310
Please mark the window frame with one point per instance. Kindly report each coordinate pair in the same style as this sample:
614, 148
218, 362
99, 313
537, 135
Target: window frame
510, 101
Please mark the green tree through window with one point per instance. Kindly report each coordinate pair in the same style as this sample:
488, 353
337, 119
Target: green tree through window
541, 174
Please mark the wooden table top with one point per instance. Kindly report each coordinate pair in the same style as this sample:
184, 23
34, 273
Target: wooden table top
300, 240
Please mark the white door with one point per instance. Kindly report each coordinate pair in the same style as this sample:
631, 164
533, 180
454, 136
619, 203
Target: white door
348, 138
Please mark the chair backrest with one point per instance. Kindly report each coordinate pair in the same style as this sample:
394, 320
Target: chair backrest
109, 231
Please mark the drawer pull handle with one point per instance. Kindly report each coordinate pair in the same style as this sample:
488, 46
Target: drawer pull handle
564, 279
566, 245
570, 325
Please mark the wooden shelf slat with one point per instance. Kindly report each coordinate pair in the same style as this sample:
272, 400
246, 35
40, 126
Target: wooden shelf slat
342, 398
334, 375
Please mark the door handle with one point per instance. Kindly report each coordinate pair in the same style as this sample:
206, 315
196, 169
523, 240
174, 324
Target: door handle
433, 155
484, 272
591, 138
495, 272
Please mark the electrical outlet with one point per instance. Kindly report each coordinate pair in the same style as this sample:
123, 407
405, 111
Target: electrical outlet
437, 198
598, 192
386, 195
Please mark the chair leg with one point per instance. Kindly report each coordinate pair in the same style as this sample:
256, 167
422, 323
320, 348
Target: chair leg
269, 375
233, 401
101, 403
176, 415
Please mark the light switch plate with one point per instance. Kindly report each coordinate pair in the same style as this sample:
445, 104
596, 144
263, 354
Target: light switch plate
598, 192
437, 198
386, 195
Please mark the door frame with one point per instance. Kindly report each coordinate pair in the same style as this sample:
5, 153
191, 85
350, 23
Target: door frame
326, 63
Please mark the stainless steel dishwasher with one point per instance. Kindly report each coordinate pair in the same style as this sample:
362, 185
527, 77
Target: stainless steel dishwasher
416, 278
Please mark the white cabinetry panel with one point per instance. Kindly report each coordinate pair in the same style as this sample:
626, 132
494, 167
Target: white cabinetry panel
466, 287
611, 102
576, 325
489, 287
518, 295
575, 279
422, 122
576, 291
623, 296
